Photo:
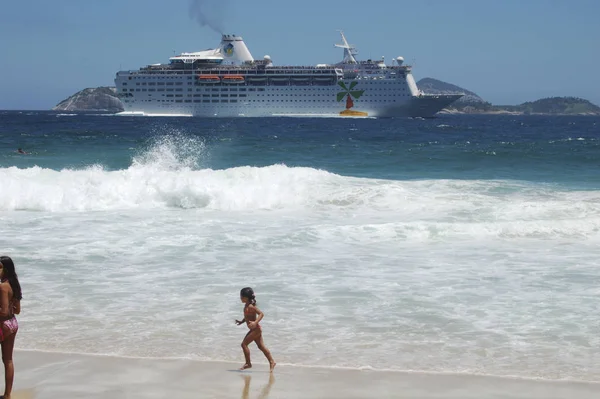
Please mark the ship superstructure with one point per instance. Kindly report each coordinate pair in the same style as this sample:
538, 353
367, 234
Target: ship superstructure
229, 82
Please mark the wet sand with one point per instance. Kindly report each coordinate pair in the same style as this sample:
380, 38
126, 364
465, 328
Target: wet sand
43, 375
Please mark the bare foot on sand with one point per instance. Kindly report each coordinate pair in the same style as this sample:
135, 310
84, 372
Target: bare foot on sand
246, 366
272, 364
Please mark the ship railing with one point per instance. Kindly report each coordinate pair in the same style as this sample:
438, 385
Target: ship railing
160, 70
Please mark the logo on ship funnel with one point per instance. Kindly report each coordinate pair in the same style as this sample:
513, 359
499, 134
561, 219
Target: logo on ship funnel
228, 50
350, 94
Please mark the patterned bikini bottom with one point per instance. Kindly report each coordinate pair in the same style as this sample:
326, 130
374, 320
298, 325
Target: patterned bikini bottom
9, 327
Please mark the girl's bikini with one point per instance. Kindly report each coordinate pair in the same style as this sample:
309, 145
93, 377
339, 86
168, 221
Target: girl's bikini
10, 325
246, 314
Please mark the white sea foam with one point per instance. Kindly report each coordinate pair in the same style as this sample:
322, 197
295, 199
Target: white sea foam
493, 277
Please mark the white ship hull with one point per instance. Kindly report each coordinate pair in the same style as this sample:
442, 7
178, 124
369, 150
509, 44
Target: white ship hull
292, 102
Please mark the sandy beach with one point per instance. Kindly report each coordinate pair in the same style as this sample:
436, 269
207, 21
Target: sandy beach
43, 375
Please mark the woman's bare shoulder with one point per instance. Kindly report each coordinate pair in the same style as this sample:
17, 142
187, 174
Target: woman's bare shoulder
5, 286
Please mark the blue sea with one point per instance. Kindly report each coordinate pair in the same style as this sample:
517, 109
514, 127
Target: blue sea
459, 244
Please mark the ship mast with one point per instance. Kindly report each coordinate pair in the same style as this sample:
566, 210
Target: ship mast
349, 51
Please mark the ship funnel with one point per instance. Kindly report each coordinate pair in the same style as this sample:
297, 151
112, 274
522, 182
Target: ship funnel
234, 49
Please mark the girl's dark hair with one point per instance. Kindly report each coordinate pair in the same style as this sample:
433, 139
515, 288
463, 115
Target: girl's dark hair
248, 293
11, 275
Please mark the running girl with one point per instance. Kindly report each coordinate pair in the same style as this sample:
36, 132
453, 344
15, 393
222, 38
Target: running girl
252, 316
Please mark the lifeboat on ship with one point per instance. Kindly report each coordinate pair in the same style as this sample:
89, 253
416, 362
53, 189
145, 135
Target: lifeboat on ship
233, 79
208, 79
301, 80
257, 80
324, 80
279, 80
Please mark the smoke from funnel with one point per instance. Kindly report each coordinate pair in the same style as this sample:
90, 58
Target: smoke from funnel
209, 13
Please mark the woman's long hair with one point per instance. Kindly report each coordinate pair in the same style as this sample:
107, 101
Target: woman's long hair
11, 275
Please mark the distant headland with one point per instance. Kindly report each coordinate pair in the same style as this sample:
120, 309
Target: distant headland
105, 99
471, 103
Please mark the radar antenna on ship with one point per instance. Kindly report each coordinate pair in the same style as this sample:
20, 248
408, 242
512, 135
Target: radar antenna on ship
349, 50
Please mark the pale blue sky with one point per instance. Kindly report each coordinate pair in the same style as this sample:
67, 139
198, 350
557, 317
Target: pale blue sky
507, 51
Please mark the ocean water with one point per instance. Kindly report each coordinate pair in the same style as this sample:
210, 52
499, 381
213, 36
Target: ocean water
461, 244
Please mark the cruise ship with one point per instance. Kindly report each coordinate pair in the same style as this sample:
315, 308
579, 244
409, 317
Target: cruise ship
228, 82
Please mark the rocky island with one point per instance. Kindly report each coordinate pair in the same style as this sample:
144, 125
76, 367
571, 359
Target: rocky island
92, 99
471, 103
554, 106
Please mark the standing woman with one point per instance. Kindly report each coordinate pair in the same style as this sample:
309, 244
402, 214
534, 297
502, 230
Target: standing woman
10, 305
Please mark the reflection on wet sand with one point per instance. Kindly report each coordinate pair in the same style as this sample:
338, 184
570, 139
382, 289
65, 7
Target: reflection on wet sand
22, 394
264, 393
